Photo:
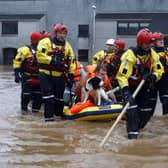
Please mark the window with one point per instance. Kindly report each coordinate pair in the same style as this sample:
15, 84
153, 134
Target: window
83, 55
131, 27
83, 31
9, 27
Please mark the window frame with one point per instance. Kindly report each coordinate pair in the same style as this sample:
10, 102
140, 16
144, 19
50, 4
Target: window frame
83, 30
129, 29
5, 31
81, 58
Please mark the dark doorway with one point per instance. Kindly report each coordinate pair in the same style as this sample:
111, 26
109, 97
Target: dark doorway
8, 55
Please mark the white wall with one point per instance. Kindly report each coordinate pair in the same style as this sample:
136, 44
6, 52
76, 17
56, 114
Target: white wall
25, 28
105, 29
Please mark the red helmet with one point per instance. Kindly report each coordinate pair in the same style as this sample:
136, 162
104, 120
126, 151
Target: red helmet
60, 27
121, 44
157, 36
144, 36
35, 37
46, 34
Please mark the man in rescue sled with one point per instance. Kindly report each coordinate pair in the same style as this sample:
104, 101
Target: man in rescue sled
55, 58
26, 71
162, 85
87, 92
139, 63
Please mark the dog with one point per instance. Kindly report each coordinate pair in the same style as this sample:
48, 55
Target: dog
95, 90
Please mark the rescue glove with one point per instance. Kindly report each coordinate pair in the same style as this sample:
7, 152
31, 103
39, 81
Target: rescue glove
127, 96
59, 65
150, 78
70, 80
17, 75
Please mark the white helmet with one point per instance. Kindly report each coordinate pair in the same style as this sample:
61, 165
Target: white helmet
110, 42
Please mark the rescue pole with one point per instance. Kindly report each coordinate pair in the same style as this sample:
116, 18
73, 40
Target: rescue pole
113, 90
121, 114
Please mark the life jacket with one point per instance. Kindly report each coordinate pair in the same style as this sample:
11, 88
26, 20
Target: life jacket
58, 54
108, 58
114, 67
77, 72
163, 60
163, 55
76, 108
105, 83
30, 64
139, 70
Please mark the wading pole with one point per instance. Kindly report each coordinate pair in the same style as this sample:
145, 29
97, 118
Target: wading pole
121, 114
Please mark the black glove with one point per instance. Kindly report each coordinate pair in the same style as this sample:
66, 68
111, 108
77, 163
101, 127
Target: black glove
165, 75
127, 96
143, 69
59, 65
70, 80
17, 75
151, 78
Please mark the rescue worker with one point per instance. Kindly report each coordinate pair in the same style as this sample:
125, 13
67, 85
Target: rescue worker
26, 71
139, 63
113, 66
162, 85
104, 56
55, 58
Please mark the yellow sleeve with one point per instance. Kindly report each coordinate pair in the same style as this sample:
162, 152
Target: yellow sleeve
44, 46
128, 60
157, 67
22, 54
69, 53
98, 57
166, 52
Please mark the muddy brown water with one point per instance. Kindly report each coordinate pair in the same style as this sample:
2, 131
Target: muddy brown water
26, 141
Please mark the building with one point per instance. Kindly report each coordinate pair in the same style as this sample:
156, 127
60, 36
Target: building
90, 22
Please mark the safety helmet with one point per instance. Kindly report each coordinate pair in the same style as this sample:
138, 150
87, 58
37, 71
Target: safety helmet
60, 27
144, 36
157, 36
35, 37
121, 44
110, 42
46, 34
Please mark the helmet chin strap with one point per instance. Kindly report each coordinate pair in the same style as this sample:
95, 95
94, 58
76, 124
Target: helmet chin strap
34, 46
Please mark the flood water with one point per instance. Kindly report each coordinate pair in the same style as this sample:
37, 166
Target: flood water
26, 141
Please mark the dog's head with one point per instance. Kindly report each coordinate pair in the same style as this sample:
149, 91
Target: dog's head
94, 83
